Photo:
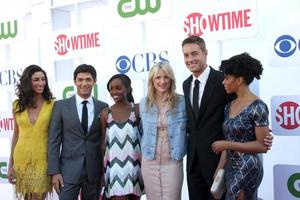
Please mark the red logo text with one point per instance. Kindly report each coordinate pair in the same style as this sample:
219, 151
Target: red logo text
64, 43
197, 24
288, 115
6, 124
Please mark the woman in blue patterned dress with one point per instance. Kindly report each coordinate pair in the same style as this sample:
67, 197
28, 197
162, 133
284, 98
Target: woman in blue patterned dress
245, 127
122, 159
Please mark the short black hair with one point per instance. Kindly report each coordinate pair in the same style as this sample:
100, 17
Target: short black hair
242, 65
85, 68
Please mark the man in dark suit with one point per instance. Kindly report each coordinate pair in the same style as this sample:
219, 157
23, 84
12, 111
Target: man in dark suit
75, 157
205, 117
205, 112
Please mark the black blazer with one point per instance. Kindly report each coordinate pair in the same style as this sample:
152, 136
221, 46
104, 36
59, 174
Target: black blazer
207, 128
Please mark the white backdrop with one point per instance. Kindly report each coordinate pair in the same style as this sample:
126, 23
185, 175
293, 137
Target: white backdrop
59, 35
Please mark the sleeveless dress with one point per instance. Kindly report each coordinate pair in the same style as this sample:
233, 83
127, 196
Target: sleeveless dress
244, 171
30, 153
122, 159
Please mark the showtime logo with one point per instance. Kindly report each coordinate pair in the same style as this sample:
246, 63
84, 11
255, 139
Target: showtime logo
288, 115
6, 124
285, 115
198, 24
64, 43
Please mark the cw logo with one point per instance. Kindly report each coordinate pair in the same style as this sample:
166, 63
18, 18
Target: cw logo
129, 8
70, 91
6, 32
293, 185
3, 170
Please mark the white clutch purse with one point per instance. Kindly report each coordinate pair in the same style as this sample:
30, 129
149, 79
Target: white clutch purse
218, 187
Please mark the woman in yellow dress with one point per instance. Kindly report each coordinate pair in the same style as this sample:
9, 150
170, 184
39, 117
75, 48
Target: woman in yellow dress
32, 113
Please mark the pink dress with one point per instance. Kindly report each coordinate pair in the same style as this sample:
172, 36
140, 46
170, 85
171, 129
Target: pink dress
163, 177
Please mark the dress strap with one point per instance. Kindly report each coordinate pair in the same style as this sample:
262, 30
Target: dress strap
109, 114
132, 116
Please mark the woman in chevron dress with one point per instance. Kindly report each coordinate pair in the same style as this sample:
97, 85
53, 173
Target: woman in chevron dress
122, 159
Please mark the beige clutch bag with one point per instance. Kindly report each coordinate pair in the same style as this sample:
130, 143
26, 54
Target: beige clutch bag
218, 187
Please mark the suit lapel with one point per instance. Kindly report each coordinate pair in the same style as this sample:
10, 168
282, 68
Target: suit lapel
96, 114
207, 93
74, 114
186, 90
96, 111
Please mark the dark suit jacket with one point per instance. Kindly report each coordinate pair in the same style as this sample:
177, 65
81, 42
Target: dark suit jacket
207, 128
69, 146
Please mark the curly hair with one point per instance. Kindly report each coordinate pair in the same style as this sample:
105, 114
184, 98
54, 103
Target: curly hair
24, 91
126, 82
242, 65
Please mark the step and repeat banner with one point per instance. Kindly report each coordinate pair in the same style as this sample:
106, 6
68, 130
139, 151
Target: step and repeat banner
124, 36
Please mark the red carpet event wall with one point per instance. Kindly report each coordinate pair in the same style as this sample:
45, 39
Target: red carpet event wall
118, 36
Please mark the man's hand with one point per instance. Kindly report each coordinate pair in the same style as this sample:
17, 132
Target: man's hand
57, 182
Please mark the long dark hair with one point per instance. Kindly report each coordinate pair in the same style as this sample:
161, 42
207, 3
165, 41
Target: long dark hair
127, 83
24, 91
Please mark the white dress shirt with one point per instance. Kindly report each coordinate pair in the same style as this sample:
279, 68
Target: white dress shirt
90, 107
203, 79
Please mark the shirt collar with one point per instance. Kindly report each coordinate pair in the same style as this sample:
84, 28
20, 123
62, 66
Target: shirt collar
79, 99
203, 76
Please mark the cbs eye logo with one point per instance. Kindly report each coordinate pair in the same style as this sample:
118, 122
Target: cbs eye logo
286, 46
140, 62
123, 64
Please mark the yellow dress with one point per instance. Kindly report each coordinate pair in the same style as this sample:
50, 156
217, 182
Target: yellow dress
30, 153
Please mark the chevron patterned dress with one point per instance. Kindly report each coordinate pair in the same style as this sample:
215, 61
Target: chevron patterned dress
122, 159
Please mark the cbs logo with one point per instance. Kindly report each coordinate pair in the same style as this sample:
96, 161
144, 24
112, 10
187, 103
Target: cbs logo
286, 45
140, 62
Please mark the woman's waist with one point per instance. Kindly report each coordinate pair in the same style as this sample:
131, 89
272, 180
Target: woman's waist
162, 133
235, 156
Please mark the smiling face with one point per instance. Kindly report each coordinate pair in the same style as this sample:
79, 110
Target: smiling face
117, 90
38, 82
194, 58
84, 83
161, 82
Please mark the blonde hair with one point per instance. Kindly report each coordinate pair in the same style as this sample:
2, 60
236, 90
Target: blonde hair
167, 69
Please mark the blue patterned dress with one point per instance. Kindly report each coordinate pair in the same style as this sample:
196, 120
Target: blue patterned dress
122, 159
244, 171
